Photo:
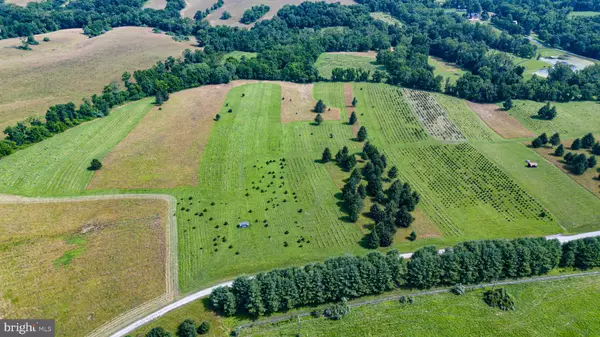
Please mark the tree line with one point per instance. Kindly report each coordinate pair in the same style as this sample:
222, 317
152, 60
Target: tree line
348, 277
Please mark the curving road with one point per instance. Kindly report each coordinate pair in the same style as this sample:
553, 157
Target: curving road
206, 292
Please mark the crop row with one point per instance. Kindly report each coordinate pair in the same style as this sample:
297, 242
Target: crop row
433, 116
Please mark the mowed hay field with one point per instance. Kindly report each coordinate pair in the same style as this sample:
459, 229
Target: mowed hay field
237, 8
329, 61
58, 165
573, 119
72, 66
81, 263
164, 149
553, 308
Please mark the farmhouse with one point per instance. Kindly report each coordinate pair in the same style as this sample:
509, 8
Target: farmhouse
245, 224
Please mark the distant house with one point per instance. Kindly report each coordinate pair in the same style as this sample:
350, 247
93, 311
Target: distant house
244, 225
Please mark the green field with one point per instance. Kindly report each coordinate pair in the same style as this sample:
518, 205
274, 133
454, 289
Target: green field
574, 119
553, 308
467, 121
239, 54
387, 18
583, 14
58, 166
329, 61
445, 69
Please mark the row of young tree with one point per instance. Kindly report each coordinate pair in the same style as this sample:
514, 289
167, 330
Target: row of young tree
350, 277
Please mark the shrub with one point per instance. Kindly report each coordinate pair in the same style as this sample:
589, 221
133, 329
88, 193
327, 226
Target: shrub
217, 117
204, 328
95, 165
458, 289
406, 299
508, 104
316, 313
337, 311
187, 329
412, 236
318, 119
225, 16
46, 39
158, 332
499, 298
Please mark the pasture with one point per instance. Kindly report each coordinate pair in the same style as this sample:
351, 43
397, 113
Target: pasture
574, 119
72, 66
58, 165
164, 149
558, 308
329, 61
583, 14
81, 263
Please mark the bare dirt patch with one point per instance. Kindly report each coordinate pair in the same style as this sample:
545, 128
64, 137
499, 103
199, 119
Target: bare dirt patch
165, 148
297, 104
500, 121
237, 8
51, 269
72, 66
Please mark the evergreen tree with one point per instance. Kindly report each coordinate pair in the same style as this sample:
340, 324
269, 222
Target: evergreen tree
412, 236
372, 241
95, 165
352, 119
326, 158
544, 138
318, 119
362, 134
591, 162
187, 329
587, 141
348, 162
354, 101
376, 213
362, 191
320, 107
560, 151
596, 149
580, 168
555, 139
576, 144
568, 157
393, 172
537, 143
217, 117
204, 328
508, 104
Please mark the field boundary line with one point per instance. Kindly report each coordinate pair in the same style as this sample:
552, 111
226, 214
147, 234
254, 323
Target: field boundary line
171, 254
424, 293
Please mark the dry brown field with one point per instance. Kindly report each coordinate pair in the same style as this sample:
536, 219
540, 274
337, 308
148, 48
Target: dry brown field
72, 66
81, 263
498, 120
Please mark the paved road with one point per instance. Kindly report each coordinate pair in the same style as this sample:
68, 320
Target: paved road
206, 292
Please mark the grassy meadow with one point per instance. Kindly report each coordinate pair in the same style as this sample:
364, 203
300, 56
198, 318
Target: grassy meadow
329, 61
574, 119
557, 308
387, 18
58, 165
72, 66
446, 70
81, 263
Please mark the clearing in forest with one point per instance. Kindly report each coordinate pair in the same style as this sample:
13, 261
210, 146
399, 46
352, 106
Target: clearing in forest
469, 196
433, 117
81, 263
541, 307
164, 149
237, 8
386, 110
387, 18
574, 119
58, 165
156, 4
445, 69
465, 119
297, 104
500, 121
329, 61
577, 212
72, 66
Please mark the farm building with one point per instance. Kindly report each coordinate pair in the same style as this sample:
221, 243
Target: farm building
531, 164
245, 224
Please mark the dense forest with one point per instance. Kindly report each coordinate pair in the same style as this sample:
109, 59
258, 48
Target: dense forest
288, 46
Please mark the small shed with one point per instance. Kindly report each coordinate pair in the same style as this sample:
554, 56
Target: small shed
245, 224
